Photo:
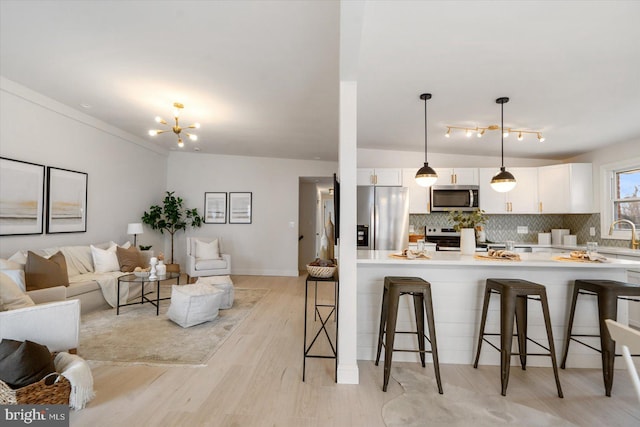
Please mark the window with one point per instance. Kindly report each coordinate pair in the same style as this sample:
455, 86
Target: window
620, 198
626, 200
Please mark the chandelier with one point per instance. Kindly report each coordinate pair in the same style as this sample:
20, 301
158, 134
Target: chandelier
479, 131
176, 128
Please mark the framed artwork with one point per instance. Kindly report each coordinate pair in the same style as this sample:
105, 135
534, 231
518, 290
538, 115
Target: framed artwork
21, 197
66, 201
240, 208
215, 208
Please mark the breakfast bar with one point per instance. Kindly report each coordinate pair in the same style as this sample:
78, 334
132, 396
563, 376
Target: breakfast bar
457, 285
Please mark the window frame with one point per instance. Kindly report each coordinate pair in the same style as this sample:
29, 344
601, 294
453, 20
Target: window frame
607, 174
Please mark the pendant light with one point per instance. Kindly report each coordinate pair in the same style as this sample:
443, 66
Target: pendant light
426, 176
503, 181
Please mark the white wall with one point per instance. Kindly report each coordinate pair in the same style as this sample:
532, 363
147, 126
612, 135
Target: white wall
610, 154
124, 176
267, 246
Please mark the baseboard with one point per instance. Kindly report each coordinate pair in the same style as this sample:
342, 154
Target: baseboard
260, 272
348, 374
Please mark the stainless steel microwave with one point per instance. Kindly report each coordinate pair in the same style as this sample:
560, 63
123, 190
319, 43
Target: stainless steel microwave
454, 197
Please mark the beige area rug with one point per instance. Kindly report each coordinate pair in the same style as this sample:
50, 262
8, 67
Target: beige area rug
138, 336
421, 405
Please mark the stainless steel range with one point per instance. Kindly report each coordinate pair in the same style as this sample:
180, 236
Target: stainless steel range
446, 239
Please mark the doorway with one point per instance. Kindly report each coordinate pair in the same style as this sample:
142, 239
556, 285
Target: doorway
315, 209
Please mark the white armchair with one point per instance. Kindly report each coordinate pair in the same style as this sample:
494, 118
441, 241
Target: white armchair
205, 258
56, 325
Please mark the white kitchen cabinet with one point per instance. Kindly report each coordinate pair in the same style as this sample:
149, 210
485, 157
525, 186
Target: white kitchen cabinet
390, 177
418, 196
565, 188
457, 176
523, 199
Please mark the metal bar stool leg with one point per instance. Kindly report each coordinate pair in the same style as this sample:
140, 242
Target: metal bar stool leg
521, 323
392, 317
572, 313
483, 321
552, 349
507, 316
428, 305
418, 308
383, 322
607, 309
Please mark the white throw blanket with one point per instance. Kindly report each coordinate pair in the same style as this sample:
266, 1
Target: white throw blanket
77, 371
109, 284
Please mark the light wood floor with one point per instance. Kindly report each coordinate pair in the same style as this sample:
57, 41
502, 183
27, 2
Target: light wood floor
255, 379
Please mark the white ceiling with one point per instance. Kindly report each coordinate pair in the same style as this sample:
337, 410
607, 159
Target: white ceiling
262, 76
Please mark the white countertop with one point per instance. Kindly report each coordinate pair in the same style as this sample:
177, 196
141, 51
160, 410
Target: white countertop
533, 259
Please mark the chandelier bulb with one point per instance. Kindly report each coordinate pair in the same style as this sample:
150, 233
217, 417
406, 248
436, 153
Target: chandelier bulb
153, 132
193, 137
180, 143
196, 125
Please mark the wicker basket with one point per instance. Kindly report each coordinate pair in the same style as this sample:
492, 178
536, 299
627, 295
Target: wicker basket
321, 272
54, 389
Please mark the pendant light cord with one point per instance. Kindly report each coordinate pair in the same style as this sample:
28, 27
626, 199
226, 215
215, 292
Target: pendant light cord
425, 131
502, 135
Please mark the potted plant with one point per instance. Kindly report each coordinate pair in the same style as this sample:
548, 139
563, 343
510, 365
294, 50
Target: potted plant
467, 223
171, 217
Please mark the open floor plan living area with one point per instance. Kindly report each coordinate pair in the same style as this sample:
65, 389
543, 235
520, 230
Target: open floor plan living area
319, 213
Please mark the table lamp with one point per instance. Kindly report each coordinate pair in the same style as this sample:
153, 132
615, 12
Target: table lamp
135, 228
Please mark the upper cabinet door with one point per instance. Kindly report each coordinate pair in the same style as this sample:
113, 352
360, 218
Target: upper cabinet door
566, 188
522, 199
390, 177
418, 196
457, 176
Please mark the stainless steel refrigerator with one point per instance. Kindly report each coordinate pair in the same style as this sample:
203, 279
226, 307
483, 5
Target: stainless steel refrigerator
383, 218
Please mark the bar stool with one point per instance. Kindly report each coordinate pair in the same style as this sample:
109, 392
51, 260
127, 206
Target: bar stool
420, 289
607, 292
514, 294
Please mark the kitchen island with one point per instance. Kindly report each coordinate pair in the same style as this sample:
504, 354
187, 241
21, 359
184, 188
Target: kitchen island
457, 285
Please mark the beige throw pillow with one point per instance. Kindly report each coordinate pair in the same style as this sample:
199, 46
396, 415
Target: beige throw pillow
41, 273
11, 297
207, 250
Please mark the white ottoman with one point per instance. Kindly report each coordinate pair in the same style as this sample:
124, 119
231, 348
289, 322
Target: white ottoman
194, 304
223, 283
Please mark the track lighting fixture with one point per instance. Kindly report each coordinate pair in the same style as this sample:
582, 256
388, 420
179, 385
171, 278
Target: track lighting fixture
480, 130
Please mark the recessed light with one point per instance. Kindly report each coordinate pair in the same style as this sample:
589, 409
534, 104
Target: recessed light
196, 149
316, 158
85, 105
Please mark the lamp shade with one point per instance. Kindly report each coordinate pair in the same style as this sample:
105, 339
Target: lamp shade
503, 181
426, 176
135, 228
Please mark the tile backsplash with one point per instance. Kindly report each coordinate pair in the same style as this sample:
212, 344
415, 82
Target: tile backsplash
504, 227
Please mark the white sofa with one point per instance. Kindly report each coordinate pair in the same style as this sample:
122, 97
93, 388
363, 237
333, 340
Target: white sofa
55, 324
204, 260
84, 282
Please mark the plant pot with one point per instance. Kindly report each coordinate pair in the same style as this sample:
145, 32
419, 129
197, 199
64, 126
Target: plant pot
173, 268
467, 241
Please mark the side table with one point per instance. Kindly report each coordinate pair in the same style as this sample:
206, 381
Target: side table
324, 318
132, 278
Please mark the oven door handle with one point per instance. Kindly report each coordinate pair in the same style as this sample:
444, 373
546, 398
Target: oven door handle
470, 198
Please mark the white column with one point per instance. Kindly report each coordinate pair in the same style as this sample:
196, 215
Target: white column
347, 156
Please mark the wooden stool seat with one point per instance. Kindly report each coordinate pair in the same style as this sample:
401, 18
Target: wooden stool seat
607, 292
420, 289
514, 294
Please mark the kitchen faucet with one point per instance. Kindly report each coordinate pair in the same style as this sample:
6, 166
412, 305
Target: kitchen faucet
634, 239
